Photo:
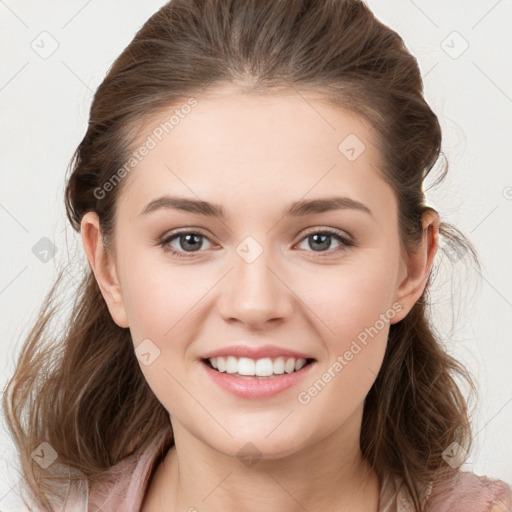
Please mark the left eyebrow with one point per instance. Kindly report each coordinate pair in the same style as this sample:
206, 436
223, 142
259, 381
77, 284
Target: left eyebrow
298, 209
312, 206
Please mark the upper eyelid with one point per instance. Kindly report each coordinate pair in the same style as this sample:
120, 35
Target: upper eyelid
344, 236
198, 231
173, 235
333, 231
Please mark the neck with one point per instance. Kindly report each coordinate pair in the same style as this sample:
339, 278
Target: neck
327, 475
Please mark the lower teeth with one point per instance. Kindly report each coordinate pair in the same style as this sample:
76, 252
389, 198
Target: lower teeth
254, 376
240, 376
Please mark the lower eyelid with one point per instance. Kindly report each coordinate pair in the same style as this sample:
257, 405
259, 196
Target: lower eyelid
343, 241
165, 242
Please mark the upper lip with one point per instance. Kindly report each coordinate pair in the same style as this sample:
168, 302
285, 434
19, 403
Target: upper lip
255, 352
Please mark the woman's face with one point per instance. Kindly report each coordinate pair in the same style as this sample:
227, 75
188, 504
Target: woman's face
258, 276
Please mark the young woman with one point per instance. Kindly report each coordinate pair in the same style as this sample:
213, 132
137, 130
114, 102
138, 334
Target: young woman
251, 332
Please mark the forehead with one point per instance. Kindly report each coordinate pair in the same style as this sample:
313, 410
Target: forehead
248, 124
255, 147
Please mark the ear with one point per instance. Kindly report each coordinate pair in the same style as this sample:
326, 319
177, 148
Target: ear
102, 264
416, 265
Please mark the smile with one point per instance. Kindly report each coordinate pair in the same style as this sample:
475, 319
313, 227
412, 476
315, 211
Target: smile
265, 367
253, 386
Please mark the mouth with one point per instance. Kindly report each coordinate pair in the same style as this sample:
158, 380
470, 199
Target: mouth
265, 368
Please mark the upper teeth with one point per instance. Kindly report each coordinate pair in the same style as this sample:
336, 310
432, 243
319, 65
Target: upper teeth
260, 367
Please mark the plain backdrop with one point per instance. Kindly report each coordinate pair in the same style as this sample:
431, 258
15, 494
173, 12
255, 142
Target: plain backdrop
54, 54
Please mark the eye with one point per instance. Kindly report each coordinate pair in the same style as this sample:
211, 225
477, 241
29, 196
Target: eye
320, 241
187, 241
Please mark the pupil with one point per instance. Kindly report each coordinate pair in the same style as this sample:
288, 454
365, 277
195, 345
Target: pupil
193, 241
193, 246
315, 237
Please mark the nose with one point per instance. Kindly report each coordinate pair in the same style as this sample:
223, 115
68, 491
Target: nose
255, 293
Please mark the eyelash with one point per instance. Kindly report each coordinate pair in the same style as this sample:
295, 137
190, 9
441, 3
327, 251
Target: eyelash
163, 242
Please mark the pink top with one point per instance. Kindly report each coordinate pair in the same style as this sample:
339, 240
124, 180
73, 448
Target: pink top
128, 482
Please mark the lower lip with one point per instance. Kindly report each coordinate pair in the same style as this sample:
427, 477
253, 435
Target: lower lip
255, 387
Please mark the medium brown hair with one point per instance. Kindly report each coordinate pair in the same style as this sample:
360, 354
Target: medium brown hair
81, 388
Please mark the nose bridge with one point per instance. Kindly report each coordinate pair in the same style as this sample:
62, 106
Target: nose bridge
254, 293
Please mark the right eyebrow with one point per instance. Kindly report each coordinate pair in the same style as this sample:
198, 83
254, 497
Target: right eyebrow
187, 205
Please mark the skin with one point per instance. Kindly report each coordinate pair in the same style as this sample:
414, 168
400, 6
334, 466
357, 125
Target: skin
255, 155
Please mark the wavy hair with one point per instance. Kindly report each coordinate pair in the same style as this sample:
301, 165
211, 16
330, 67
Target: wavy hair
80, 387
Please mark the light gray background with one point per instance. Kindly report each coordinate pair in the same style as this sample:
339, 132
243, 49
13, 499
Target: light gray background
44, 104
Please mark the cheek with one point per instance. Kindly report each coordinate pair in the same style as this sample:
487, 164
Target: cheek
358, 317
161, 301
355, 306
353, 297
159, 297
